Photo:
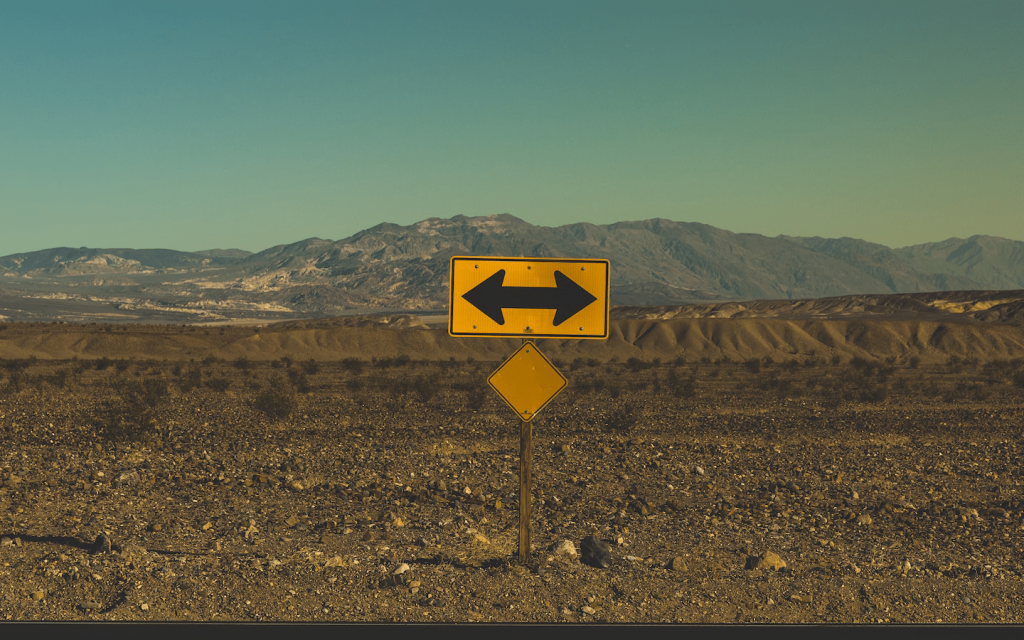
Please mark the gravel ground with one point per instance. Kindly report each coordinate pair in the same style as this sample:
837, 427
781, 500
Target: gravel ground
726, 492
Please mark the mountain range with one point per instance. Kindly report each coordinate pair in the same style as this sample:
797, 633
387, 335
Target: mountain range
391, 268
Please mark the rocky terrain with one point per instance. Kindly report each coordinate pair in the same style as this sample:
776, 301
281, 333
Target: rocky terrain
783, 490
391, 268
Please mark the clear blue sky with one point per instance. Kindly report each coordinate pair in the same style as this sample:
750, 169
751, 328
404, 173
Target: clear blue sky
198, 124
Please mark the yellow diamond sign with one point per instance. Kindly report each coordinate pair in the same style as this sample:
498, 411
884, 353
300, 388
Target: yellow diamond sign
527, 381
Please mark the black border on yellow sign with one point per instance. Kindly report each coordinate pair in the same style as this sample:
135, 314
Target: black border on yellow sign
565, 381
567, 336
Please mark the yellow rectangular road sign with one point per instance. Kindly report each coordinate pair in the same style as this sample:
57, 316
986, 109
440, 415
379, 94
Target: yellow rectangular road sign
528, 297
527, 381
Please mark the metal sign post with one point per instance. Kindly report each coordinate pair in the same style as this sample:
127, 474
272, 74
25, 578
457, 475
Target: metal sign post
525, 492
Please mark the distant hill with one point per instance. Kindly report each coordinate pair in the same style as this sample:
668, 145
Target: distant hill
393, 267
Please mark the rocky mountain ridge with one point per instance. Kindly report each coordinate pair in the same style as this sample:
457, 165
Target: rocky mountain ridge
392, 267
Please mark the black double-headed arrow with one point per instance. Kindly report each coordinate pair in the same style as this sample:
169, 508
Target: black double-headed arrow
491, 296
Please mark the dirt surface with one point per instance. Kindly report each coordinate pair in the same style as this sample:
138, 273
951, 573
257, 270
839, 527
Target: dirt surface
351, 491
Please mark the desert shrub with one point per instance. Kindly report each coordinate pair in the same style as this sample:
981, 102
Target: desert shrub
131, 416
353, 365
614, 390
122, 365
1018, 379
622, 419
219, 385
837, 359
914, 362
277, 400
15, 381
424, 388
103, 363
300, 381
476, 396
311, 367
636, 364
211, 359
685, 389
753, 365
190, 379
241, 362
59, 378
354, 385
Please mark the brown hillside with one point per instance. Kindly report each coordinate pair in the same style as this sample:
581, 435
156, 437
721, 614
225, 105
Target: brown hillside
691, 339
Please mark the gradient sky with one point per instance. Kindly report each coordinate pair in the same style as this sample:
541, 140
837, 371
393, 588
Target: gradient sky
193, 125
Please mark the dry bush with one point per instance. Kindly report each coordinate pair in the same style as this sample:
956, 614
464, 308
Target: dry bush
622, 419
277, 400
131, 416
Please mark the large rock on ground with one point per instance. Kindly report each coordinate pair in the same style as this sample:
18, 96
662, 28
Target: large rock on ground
595, 552
767, 560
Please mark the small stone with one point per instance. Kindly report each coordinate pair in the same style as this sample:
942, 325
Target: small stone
6, 542
12, 481
792, 486
595, 552
699, 470
854, 495
498, 504
479, 538
588, 610
295, 485
336, 561
156, 527
91, 605
292, 521
207, 526
906, 566
798, 598
564, 548
676, 564
767, 560
398, 523
566, 612
101, 544
441, 486
144, 606
38, 595
864, 519
565, 448
400, 569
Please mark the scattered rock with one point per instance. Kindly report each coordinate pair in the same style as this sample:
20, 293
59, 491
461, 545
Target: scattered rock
6, 542
564, 548
805, 599
595, 552
336, 561
864, 519
587, 609
127, 478
676, 564
699, 470
91, 605
144, 606
400, 569
38, 595
101, 544
767, 560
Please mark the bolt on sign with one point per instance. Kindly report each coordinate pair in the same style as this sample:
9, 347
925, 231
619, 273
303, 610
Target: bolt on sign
528, 297
527, 381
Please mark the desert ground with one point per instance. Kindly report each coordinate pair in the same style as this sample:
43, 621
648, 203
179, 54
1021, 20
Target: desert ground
792, 471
